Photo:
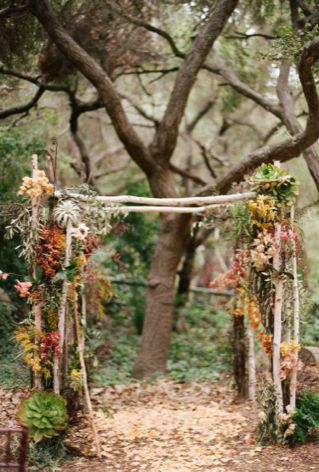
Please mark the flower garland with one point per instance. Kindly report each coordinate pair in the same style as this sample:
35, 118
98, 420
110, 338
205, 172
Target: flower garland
253, 274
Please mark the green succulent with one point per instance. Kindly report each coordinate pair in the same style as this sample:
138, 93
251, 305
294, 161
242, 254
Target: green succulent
44, 413
271, 180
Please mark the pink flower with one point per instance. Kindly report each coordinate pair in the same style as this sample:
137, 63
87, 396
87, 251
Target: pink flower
284, 236
23, 288
3, 275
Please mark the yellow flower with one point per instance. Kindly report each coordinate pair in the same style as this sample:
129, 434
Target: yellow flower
288, 348
81, 260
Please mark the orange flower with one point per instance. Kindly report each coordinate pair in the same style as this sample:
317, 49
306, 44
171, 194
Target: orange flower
35, 187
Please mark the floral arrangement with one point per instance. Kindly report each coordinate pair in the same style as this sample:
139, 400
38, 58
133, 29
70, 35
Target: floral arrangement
58, 238
267, 288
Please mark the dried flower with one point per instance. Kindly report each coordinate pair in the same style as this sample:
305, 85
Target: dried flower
37, 186
263, 250
289, 358
49, 341
80, 232
3, 275
51, 249
23, 288
66, 211
266, 342
262, 416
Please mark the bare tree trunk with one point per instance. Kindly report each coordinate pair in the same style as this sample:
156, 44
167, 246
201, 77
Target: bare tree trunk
154, 349
184, 283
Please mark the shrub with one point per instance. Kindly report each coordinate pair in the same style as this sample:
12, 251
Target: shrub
306, 417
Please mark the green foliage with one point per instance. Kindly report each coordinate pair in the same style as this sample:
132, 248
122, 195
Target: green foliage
306, 417
241, 220
275, 182
309, 324
134, 248
19, 39
241, 60
289, 44
45, 415
121, 353
13, 372
135, 245
262, 10
48, 454
203, 353
295, 428
15, 162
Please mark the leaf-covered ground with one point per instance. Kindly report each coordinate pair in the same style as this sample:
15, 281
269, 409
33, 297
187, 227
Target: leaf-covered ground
170, 427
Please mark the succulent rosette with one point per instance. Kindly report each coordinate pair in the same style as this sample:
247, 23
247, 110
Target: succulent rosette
45, 415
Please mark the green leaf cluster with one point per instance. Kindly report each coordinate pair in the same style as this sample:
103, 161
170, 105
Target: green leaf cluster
275, 182
306, 417
44, 413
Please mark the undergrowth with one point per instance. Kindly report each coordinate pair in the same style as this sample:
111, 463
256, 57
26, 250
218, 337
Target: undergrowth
202, 353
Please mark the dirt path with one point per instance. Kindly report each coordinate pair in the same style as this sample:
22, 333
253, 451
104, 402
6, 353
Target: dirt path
168, 427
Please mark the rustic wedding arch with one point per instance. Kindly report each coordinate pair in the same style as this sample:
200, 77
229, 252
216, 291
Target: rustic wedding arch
58, 230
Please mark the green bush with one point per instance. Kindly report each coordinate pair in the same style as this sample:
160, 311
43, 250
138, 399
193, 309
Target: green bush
306, 417
296, 427
48, 454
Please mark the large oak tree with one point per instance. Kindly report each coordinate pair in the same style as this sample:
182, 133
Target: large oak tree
154, 157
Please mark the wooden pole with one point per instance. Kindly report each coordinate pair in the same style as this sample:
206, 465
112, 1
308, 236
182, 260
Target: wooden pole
88, 402
277, 319
168, 202
37, 304
296, 309
57, 363
167, 209
251, 364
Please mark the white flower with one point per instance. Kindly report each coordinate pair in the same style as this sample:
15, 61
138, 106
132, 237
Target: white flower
284, 418
262, 416
80, 232
290, 430
66, 211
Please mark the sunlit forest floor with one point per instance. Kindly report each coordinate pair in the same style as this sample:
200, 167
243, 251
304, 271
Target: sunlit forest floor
173, 427
186, 421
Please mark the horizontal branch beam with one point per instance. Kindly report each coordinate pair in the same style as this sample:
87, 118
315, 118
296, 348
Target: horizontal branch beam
164, 209
171, 202
206, 290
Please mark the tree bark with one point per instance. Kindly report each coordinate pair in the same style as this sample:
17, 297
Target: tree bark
160, 299
239, 354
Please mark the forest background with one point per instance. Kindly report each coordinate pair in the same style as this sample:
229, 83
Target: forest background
209, 118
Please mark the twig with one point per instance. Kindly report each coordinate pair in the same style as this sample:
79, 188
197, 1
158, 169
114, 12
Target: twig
37, 304
296, 307
84, 373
